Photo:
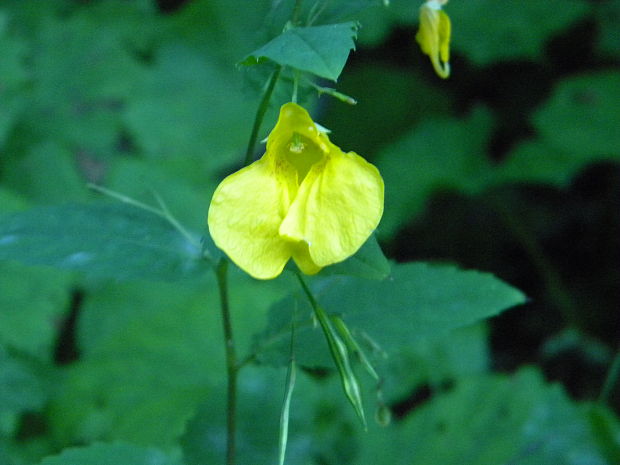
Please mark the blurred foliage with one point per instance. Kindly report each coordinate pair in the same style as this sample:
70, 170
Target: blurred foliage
112, 351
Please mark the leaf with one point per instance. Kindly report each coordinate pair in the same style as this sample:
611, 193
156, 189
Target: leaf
489, 31
489, 420
260, 394
21, 388
437, 154
606, 14
581, 115
82, 109
418, 301
149, 355
188, 105
106, 454
26, 175
535, 161
321, 50
14, 75
102, 240
368, 262
32, 303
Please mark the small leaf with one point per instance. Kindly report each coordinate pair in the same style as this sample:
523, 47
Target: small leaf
321, 50
102, 240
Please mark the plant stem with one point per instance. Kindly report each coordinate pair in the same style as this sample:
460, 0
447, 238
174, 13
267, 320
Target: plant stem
260, 114
231, 362
611, 379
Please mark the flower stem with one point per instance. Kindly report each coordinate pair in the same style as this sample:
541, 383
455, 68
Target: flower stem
231, 361
260, 114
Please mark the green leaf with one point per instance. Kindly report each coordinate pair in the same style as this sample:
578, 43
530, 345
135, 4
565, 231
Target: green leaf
21, 389
32, 303
437, 154
180, 182
113, 241
437, 360
321, 50
14, 75
188, 105
489, 31
535, 161
418, 301
581, 115
487, 421
106, 454
314, 420
149, 355
82, 109
606, 15
368, 262
27, 175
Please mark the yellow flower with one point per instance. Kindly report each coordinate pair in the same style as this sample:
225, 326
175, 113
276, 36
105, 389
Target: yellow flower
304, 199
434, 35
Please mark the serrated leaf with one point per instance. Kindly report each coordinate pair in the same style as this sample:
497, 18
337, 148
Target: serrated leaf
321, 50
582, 115
419, 300
102, 240
106, 454
489, 420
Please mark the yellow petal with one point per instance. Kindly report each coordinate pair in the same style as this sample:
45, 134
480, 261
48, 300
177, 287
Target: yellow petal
338, 205
244, 216
434, 36
294, 119
302, 258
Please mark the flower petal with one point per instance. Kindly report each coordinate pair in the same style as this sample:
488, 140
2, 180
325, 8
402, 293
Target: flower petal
245, 214
338, 205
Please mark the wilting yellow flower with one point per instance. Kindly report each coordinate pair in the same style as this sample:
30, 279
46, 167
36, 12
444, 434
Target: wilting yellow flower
434, 35
304, 199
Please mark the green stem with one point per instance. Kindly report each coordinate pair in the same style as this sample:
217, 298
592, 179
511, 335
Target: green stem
611, 379
231, 362
260, 114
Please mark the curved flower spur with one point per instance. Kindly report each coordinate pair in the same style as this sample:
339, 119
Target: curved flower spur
434, 35
304, 199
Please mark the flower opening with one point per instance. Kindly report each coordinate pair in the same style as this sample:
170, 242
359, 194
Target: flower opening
304, 199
